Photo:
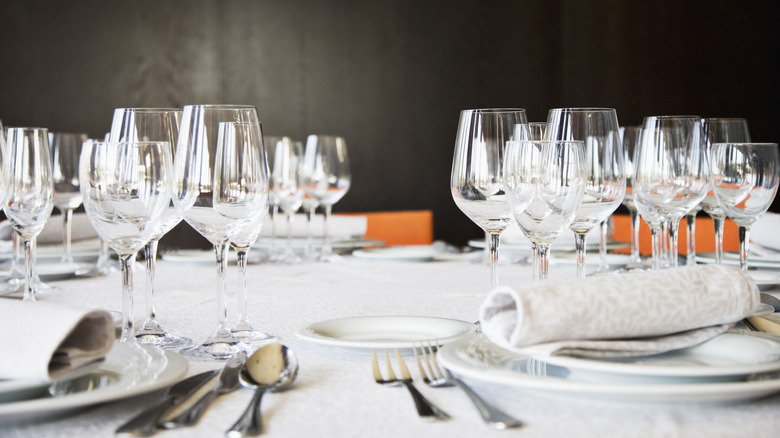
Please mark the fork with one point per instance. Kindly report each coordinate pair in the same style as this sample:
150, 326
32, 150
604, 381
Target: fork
424, 407
437, 377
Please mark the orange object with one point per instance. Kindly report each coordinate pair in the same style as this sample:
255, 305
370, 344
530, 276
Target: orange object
408, 227
705, 235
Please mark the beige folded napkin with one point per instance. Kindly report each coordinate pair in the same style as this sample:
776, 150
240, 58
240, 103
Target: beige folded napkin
629, 314
48, 341
339, 226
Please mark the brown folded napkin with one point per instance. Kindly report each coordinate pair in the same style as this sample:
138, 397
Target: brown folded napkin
48, 341
629, 314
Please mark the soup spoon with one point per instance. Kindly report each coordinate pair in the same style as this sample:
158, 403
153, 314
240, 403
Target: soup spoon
272, 366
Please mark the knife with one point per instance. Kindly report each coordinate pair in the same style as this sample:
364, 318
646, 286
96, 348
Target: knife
145, 423
228, 382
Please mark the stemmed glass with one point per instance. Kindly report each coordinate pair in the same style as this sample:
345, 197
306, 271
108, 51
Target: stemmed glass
477, 177
670, 174
126, 188
287, 186
31, 193
309, 207
745, 178
270, 143
630, 138
544, 184
221, 179
152, 124
721, 130
598, 129
65, 151
326, 178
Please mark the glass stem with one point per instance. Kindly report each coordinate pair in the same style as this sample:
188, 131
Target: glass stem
221, 251
274, 214
673, 228
655, 236
150, 254
308, 247
717, 222
290, 253
690, 220
635, 257
67, 227
603, 265
544, 252
494, 240
29, 268
241, 319
744, 241
326, 248
126, 263
579, 244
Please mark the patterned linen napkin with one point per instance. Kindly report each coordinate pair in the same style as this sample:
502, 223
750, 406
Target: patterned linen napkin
631, 314
48, 341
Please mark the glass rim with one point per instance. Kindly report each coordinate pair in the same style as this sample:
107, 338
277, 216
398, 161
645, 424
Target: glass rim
26, 128
493, 110
743, 143
582, 109
674, 117
134, 142
146, 109
225, 106
726, 119
543, 141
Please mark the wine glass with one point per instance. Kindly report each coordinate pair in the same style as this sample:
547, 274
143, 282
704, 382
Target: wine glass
544, 183
599, 130
31, 193
721, 130
127, 190
287, 185
65, 151
326, 178
309, 206
221, 179
477, 177
152, 124
671, 175
744, 178
630, 137
270, 147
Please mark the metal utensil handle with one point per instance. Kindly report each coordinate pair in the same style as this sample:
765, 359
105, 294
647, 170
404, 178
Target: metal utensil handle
489, 413
145, 423
193, 414
424, 407
251, 422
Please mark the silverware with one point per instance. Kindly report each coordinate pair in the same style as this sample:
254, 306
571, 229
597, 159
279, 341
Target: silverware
228, 382
145, 423
424, 407
273, 366
438, 377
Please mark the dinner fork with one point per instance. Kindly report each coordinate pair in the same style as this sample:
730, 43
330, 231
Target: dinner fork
425, 408
437, 377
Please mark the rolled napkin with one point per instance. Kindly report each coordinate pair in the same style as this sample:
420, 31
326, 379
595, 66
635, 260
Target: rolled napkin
48, 341
636, 313
340, 226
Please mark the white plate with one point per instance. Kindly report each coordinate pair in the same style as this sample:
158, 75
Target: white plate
408, 253
478, 358
765, 279
52, 271
732, 258
730, 356
378, 332
129, 370
298, 244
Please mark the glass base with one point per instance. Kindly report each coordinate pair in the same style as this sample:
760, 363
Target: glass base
152, 334
217, 349
249, 335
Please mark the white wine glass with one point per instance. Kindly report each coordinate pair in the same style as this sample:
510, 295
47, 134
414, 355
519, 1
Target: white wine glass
744, 178
721, 130
630, 136
270, 143
152, 124
599, 131
671, 174
221, 179
65, 152
326, 178
309, 206
477, 177
31, 194
287, 185
544, 184
127, 190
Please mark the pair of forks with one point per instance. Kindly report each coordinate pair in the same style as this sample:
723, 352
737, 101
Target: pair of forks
437, 377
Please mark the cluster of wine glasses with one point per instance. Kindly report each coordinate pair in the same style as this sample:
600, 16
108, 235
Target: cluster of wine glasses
507, 170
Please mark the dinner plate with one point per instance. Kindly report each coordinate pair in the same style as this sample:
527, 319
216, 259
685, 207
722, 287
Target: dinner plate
405, 253
732, 258
765, 278
53, 270
476, 357
340, 246
129, 370
378, 332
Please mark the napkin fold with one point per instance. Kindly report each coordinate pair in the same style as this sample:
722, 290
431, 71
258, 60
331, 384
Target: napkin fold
339, 226
636, 313
48, 341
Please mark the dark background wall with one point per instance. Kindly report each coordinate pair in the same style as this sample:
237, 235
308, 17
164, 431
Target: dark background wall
390, 76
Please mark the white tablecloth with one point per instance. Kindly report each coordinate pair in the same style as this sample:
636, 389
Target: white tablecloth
335, 395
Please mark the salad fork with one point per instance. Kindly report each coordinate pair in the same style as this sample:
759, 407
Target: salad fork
425, 408
437, 377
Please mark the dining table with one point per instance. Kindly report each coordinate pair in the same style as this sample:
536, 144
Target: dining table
335, 394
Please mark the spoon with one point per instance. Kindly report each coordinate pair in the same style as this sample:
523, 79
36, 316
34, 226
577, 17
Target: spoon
272, 366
